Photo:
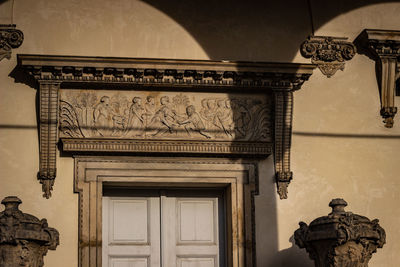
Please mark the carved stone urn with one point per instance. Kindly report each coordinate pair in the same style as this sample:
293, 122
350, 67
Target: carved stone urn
341, 239
24, 239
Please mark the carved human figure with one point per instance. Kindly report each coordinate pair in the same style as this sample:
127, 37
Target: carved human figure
223, 118
241, 118
149, 110
164, 120
193, 123
207, 113
135, 125
103, 117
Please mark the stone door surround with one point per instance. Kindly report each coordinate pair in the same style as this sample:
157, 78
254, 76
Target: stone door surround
237, 177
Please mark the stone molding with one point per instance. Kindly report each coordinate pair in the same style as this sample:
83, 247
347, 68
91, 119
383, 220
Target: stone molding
24, 239
341, 238
383, 46
10, 38
238, 88
328, 53
238, 178
166, 146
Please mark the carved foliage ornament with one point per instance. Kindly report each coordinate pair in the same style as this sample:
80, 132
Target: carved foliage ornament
328, 53
24, 239
10, 38
341, 238
383, 46
98, 105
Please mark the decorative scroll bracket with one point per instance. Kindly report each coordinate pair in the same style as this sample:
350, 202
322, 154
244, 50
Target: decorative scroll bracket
10, 38
99, 106
283, 135
328, 53
48, 132
383, 46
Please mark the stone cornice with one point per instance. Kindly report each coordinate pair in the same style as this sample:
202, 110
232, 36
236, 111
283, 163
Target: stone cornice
382, 42
166, 71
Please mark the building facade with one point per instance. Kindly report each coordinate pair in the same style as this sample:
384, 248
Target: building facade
339, 145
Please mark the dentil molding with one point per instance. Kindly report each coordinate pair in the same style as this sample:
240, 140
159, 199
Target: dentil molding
383, 46
158, 106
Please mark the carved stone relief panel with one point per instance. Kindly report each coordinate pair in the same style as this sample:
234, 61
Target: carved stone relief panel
164, 115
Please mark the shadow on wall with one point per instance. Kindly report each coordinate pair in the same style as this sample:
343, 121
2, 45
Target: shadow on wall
260, 31
292, 257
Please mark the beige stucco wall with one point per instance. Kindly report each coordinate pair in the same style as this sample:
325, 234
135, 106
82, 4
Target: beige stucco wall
357, 160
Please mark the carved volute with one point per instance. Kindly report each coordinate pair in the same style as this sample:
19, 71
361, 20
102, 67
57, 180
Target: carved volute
341, 239
24, 239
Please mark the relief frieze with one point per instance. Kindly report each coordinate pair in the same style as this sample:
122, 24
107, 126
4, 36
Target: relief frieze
164, 115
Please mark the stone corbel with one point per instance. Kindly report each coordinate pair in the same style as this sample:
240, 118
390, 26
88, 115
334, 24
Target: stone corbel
328, 53
283, 134
383, 46
48, 118
10, 38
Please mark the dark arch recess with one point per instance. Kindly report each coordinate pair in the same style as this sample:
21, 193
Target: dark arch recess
253, 30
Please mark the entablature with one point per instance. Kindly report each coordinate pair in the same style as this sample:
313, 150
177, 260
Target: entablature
158, 106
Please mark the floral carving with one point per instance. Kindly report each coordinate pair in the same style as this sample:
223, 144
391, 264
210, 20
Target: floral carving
92, 114
329, 53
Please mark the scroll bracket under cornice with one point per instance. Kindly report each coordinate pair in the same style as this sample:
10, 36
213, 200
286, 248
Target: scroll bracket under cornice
383, 46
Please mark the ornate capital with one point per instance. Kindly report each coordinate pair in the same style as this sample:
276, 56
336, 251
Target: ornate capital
383, 46
10, 38
328, 53
24, 239
341, 238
